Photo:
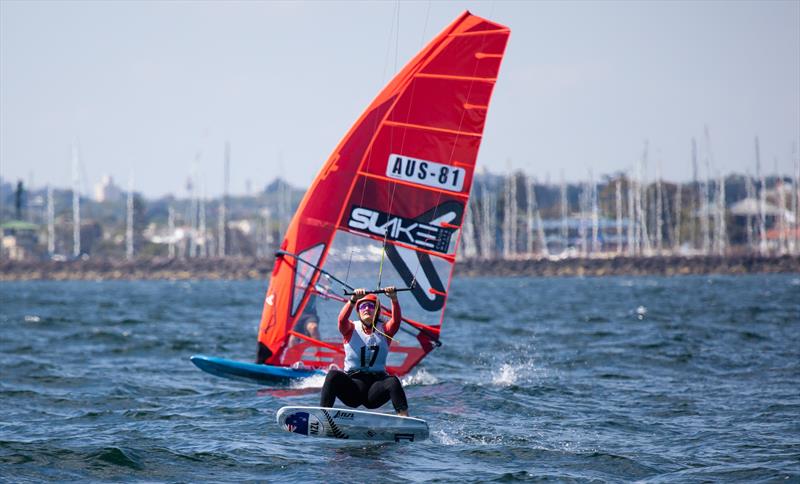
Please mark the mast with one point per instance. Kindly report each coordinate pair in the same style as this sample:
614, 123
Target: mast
193, 205
76, 204
223, 208
782, 214
171, 228
564, 213
796, 196
529, 215
595, 214
694, 198
512, 215
659, 211
51, 226
618, 207
631, 217
202, 229
762, 202
539, 225
582, 229
678, 209
641, 208
669, 228
493, 202
467, 245
129, 221
704, 220
508, 218
722, 232
749, 195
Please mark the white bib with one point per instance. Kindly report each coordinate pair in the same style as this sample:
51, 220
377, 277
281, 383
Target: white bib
365, 352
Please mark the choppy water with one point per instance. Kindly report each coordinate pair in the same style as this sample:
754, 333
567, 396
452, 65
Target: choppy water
658, 379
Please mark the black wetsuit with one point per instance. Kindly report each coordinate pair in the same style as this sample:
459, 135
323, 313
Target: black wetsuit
371, 389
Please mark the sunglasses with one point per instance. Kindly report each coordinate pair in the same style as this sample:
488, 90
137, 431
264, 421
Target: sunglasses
368, 305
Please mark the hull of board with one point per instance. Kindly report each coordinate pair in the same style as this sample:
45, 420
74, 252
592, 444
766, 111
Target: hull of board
346, 423
251, 372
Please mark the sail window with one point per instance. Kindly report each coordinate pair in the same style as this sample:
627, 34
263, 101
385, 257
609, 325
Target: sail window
307, 264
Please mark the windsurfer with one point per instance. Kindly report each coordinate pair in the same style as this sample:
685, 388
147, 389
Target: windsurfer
364, 380
307, 323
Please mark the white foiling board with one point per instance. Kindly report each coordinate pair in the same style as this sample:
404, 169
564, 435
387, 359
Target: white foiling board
346, 423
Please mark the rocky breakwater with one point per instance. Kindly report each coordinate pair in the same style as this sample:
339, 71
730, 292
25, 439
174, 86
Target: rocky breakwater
635, 266
256, 268
155, 268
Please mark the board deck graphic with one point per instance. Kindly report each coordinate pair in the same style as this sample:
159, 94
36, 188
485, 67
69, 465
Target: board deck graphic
351, 424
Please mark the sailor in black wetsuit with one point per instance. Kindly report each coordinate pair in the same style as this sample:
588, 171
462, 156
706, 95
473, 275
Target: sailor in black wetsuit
364, 380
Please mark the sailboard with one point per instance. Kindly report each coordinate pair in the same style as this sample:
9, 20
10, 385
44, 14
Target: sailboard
251, 372
346, 423
392, 194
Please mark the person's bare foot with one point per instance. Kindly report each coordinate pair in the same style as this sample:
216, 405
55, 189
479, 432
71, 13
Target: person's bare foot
402, 413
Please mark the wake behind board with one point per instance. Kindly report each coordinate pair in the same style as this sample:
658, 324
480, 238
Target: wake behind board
251, 372
346, 423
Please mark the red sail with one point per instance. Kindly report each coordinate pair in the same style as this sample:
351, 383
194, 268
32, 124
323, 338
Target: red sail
401, 177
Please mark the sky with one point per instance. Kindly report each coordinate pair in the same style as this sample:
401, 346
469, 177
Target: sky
153, 89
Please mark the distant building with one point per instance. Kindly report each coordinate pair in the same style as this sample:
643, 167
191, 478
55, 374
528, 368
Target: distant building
245, 226
106, 190
20, 240
749, 207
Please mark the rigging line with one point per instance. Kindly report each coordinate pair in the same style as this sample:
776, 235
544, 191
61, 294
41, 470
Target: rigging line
383, 255
376, 121
347, 276
425, 25
397, 35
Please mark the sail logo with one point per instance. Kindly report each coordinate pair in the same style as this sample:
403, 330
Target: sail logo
423, 172
400, 229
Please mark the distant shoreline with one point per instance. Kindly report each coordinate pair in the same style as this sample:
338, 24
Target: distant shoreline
260, 268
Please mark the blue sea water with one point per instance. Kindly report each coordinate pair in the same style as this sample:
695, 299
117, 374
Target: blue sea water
602, 379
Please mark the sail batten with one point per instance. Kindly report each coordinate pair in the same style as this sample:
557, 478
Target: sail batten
455, 78
394, 188
432, 128
482, 32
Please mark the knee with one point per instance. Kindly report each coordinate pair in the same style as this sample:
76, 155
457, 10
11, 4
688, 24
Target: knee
394, 382
373, 405
333, 375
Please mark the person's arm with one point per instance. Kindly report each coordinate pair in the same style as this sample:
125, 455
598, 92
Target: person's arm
345, 326
394, 324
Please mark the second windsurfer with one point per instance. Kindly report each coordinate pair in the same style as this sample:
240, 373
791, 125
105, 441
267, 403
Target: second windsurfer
364, 380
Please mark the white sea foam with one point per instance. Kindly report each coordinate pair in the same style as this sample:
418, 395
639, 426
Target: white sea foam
32, 319
420, 377
517, 372
442, 437
315, 381
507, 375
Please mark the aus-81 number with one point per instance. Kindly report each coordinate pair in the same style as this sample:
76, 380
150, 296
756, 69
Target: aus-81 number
425, 172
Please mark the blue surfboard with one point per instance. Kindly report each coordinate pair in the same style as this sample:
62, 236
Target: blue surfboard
251, 372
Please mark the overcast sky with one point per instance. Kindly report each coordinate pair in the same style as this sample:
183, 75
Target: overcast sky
149, 86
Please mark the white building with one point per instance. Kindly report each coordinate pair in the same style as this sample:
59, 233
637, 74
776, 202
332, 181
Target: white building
106, 190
